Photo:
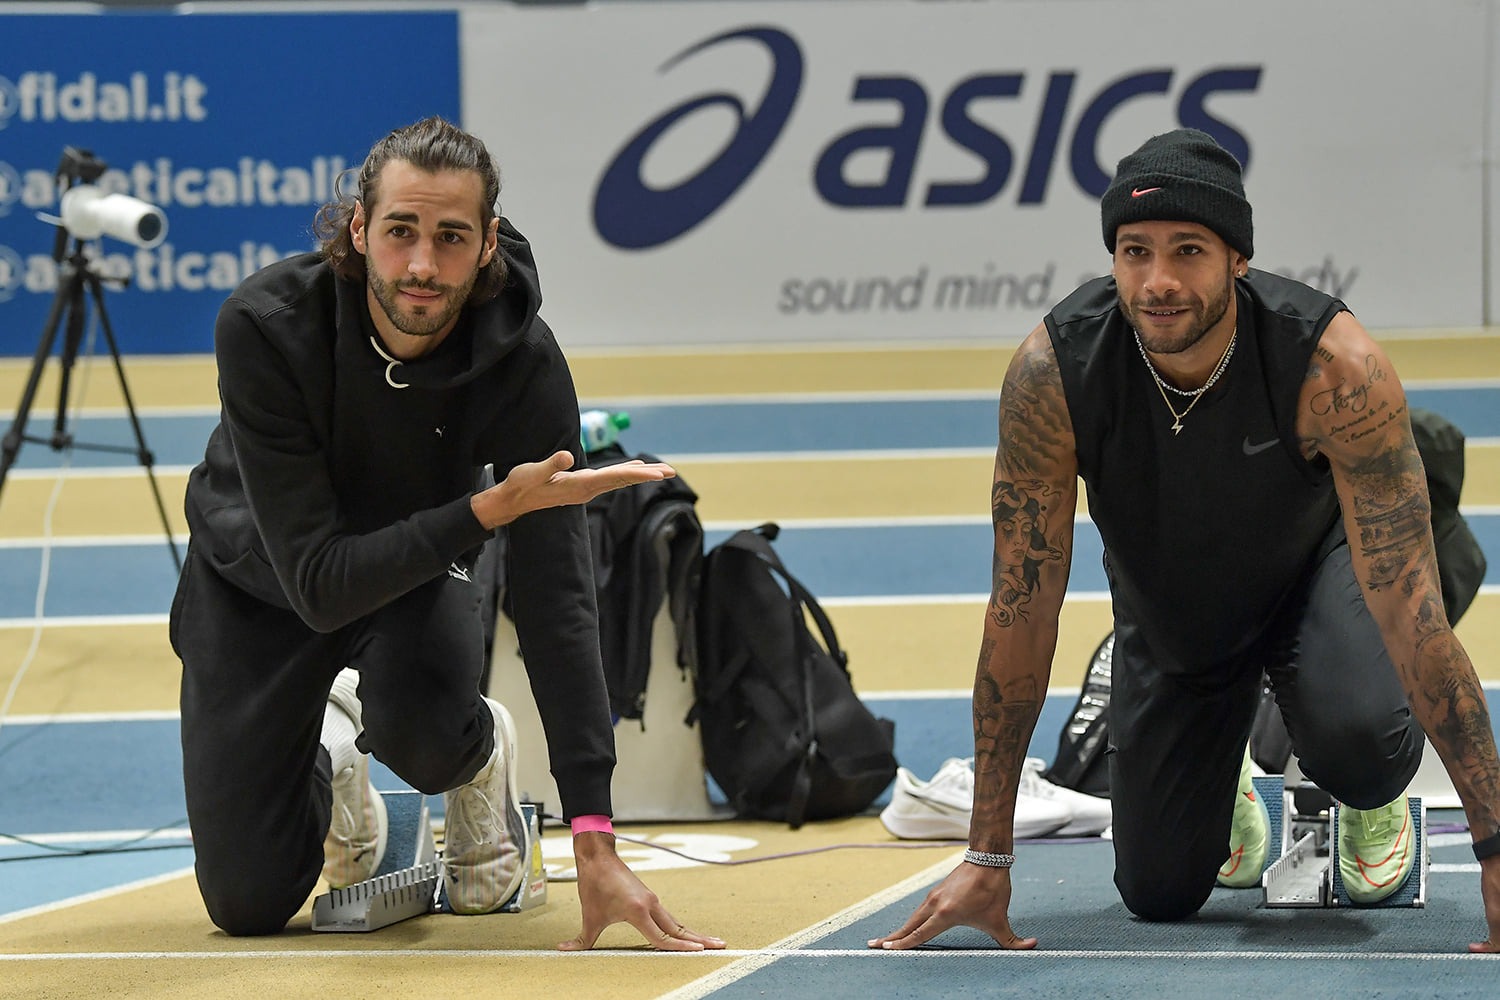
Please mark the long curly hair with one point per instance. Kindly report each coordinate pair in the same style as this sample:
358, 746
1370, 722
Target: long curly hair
431, 144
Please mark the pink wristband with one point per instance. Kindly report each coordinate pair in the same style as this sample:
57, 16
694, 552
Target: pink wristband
590, 824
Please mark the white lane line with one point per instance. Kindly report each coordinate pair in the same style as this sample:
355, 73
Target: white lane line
769, 955
83, 541
98, 472
97, 837
791, 945
85, 621
90, 897
163, 715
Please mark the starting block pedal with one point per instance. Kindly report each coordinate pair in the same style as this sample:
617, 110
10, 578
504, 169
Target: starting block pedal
1306, 873
409, 881
406, 883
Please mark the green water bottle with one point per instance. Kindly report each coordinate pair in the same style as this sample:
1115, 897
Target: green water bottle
601, 428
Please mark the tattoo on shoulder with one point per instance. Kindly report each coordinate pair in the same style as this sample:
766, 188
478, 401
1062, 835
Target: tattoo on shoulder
1033, 413
1346, 399
1021, 512
1351, 411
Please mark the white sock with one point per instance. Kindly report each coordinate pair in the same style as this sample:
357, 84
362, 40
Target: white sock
338, 737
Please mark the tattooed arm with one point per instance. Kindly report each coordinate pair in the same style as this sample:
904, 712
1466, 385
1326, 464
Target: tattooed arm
1353, 411
1032, 501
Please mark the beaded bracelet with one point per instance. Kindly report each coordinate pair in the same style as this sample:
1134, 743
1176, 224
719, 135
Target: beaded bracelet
1487, 848
988, 859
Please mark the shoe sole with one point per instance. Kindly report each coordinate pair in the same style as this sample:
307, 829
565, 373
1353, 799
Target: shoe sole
923, 828
505, 727
941, 827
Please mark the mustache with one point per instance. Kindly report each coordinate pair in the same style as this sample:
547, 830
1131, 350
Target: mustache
424, 286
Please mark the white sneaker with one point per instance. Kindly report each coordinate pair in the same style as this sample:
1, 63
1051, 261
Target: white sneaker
484, 835
1089, 815
356, 839
940, 809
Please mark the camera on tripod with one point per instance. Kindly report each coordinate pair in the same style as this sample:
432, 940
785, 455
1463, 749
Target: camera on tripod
87, 212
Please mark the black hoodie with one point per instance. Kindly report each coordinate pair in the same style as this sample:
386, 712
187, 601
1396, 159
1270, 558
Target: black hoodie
337, 481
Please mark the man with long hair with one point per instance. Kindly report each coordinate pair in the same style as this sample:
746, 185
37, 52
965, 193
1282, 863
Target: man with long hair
327, 610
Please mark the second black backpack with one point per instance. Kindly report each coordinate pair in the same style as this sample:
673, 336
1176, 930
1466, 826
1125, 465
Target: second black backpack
784, 735
647, 547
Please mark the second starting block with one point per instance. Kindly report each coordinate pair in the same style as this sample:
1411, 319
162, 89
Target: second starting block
1303, 867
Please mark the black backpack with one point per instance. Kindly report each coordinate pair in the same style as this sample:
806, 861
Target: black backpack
1080, 763
647, 545
784, 735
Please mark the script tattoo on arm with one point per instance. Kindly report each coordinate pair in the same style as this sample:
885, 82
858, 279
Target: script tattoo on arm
1363, 426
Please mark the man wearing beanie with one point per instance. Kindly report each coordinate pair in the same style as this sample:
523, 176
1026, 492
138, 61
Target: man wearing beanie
1249, 462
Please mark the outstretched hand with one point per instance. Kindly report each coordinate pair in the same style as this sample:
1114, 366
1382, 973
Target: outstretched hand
971, 896
610, 893
549, 483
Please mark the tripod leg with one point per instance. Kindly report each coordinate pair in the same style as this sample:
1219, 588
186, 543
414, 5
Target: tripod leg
68, 295
143, 453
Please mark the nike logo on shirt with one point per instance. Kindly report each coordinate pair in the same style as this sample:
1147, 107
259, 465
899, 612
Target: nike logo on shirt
1256, 449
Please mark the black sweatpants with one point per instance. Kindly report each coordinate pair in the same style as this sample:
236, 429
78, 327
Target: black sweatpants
255, 681
1178, 741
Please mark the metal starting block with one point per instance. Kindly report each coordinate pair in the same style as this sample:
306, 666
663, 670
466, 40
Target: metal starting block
1306, 872
409, 881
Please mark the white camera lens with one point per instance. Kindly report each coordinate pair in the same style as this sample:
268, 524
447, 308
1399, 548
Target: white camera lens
88, 213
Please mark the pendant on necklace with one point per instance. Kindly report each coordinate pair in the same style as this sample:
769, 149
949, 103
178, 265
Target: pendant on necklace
1177, 427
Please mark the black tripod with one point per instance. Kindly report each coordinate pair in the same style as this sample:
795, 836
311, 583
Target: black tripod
75, 276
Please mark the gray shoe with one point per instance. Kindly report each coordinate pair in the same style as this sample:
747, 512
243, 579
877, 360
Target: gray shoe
484, 836
356, 839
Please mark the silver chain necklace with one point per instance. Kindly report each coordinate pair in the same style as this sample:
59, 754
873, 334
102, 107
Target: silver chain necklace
1162, 386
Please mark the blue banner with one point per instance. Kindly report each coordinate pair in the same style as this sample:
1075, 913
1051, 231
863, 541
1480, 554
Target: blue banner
235, 126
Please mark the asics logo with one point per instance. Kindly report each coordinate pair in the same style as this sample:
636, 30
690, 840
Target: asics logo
1256, 449
632, 214
1137, 192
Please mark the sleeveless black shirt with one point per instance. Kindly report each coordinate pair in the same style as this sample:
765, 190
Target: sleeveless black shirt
1208, 530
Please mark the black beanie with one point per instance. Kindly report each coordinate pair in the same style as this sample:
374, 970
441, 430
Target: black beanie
1181, 176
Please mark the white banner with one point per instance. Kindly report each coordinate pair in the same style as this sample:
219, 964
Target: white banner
774, 172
